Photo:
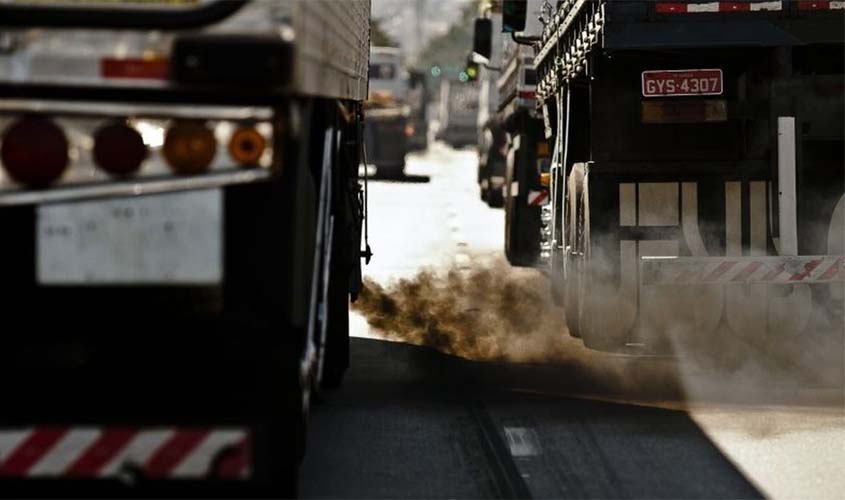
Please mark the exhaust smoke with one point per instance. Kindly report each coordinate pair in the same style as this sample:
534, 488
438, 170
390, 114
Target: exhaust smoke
493, 312
506, 317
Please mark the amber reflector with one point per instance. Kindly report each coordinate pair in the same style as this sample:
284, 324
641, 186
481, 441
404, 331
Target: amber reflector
189, 147
246, 146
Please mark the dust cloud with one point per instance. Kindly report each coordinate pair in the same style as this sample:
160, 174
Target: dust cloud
495, 313
504, 316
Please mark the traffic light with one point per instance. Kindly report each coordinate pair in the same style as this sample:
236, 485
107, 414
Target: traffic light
470, 73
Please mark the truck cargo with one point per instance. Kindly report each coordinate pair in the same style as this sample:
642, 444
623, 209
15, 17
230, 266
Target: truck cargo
182, 219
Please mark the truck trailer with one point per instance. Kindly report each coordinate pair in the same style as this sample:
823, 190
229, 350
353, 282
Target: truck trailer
697, 169
182, 219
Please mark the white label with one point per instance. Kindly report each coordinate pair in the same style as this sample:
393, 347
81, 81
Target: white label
164, 239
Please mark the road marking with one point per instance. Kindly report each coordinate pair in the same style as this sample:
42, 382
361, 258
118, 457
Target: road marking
522, 441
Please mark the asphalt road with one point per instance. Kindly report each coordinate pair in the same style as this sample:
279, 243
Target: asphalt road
414, 423
521, 409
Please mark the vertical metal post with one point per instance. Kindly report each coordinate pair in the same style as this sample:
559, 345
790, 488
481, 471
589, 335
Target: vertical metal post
787, 203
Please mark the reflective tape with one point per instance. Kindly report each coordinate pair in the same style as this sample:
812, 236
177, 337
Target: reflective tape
91, 452
743, 270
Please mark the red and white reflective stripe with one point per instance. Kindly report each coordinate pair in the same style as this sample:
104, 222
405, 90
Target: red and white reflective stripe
185, 453
724, 270
819, 5
538, 198
692, 8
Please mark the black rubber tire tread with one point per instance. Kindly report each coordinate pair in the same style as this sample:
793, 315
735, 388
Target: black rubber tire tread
573, 277
522, 223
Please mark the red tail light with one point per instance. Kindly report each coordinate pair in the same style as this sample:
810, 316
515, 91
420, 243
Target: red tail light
119, 149
34, 151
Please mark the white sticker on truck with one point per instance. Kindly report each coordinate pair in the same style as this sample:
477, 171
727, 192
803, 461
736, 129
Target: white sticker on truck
164, 239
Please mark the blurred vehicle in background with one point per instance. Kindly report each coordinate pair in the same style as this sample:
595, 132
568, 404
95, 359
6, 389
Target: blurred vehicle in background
417, 127
492, 139
526, 152
389, 126
182, 222
458, 113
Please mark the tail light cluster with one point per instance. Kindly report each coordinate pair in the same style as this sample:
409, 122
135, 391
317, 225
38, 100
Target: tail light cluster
35, 151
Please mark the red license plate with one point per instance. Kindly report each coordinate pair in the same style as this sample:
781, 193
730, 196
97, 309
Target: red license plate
682, 82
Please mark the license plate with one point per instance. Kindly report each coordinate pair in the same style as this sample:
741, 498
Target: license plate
687, 82
165, 239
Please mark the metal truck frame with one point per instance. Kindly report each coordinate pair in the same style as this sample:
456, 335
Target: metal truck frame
147, 395
681, 215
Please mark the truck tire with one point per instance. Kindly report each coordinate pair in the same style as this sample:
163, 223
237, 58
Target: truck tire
556, 277
574, 237
599, 323
522, 223
495, 196
344, 257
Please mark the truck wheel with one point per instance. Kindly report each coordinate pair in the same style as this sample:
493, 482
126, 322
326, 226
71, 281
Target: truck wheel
522, 223
495, 196
556, 278
336, 360
483, 182
574, 237
336, 354
605, 313
344, 260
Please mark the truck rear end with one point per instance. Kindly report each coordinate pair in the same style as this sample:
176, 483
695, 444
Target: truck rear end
698, 170
458, 113
179, 193
389, 126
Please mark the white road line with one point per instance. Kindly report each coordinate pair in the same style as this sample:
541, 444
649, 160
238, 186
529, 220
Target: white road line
522, 441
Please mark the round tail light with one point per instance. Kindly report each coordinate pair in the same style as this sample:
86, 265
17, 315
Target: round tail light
246, 146
34, 151
119, 149
189, 147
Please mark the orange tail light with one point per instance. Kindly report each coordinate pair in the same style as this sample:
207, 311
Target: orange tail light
189, 147
246, 146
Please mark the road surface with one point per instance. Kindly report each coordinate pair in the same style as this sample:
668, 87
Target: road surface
496, 401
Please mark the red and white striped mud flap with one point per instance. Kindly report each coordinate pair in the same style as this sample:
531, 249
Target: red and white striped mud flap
538, 198
112, 452
742, 270
692, 7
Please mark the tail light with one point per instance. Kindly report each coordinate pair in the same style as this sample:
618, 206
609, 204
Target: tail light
409, 130
545, 179
189, 147
119, 149
34, 151
246, 146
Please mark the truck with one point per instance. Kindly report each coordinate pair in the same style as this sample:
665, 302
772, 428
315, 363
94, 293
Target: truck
458, 112
389, 126
524, 155
492, 137
182, 216
696, 177
418, 100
